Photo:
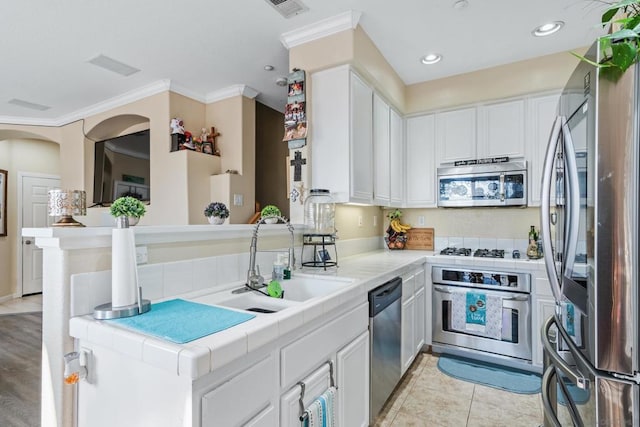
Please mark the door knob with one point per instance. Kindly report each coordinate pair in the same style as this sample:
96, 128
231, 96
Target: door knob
27, 242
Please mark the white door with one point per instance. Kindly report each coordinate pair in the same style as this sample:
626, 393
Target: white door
34, 214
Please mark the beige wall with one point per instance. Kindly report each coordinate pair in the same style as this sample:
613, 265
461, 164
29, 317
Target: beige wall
20, 155
347, 221
271, 154
540, 74
235, 119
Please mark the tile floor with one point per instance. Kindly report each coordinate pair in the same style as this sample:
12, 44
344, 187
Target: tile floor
427, 397
22, 305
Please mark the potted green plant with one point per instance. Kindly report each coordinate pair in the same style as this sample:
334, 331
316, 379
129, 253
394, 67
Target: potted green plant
128, 206
269, 213
216, 212
621, 48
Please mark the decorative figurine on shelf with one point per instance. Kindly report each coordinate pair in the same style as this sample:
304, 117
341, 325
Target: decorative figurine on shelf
204, 136
177, 126
188, 142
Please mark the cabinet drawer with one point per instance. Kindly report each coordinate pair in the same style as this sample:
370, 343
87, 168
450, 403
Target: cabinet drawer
302, 356
239, 400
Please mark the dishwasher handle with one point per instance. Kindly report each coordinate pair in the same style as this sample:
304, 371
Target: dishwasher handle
384, 295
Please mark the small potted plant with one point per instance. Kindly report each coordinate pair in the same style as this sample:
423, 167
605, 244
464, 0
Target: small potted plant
269, 213
216, 212
128, 206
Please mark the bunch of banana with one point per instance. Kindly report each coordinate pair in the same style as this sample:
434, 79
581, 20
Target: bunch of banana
398, 227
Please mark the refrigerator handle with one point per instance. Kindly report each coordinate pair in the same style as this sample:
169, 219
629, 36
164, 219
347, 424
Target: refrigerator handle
545, 211
547, 382
575, 376
573, 202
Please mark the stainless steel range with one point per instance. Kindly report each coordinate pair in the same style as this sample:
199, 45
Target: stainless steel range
482, 313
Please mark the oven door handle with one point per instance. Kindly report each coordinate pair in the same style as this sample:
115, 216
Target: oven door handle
514, 298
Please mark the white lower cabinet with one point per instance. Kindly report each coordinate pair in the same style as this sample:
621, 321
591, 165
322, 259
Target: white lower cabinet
252, 390
352, 363
545, 308
408, 317
266, 418
418, 329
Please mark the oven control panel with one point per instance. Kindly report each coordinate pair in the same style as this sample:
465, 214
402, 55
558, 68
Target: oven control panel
519, 282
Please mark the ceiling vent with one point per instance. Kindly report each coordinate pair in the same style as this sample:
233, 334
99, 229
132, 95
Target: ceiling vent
288, 8
27, 104
113, 65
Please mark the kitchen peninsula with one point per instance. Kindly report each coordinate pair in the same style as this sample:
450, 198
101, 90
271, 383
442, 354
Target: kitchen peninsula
188, 383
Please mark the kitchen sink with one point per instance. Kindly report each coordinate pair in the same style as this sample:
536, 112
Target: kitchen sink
301, 287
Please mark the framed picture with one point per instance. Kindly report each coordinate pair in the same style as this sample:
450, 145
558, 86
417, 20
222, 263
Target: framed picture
3, 202
207, 148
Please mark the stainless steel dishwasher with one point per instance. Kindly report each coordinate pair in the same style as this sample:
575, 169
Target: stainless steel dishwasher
385, 330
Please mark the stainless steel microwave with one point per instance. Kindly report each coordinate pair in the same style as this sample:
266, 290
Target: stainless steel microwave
492, 184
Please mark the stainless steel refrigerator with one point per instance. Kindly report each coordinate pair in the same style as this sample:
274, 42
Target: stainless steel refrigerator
590, 229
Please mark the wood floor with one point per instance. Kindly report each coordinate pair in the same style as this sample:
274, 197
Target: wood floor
20, 366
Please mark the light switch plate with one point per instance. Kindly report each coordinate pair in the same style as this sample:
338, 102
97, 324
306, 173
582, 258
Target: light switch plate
142, 256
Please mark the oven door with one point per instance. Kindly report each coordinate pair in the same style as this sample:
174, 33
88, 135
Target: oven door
513, 337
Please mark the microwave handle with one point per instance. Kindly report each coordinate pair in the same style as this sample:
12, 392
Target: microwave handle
545, 205
573, 202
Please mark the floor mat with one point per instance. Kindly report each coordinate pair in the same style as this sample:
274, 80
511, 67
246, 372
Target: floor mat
500, 377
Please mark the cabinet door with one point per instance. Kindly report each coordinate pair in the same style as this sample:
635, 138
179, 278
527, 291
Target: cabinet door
545, 308
418, 335
361, 142
253, 390
396, 158
352, 363
266, 418
408, 319
456, 135
420, 161
381, 151
542, 113
501, 129
315, 384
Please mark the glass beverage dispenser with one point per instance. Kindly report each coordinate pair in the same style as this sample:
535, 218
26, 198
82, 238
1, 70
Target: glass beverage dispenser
320, 230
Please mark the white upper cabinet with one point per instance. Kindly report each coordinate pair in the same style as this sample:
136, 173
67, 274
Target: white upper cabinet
501, 129
456, 135
341, 134
396, 158
420, 163
540, 118
381, 152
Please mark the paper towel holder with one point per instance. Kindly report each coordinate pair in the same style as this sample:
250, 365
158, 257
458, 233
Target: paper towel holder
107, 311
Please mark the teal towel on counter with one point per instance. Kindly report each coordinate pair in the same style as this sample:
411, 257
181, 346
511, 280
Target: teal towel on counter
181, 321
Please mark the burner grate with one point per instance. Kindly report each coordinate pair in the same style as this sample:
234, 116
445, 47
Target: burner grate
456, 251
489, 253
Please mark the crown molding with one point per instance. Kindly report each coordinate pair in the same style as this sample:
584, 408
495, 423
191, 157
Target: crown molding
230, 92
344, 21
28, 121
132, 96
117, 101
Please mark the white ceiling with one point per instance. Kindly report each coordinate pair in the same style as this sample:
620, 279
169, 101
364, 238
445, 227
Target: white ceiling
203, 46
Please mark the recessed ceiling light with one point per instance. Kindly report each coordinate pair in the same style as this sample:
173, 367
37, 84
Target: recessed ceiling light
431, 58
547, 29
268, 67
460, 4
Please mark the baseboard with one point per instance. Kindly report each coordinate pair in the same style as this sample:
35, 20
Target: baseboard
8, 298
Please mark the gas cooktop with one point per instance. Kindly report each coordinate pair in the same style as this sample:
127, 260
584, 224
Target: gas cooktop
484, 253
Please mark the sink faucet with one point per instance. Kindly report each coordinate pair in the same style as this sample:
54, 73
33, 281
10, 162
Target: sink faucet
254, 279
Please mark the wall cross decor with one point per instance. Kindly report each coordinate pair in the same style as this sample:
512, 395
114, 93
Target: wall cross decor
297, 163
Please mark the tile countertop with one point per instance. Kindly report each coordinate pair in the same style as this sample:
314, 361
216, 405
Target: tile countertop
204, 355
199, 357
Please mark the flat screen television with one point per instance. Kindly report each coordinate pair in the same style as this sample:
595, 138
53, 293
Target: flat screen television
121, 168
